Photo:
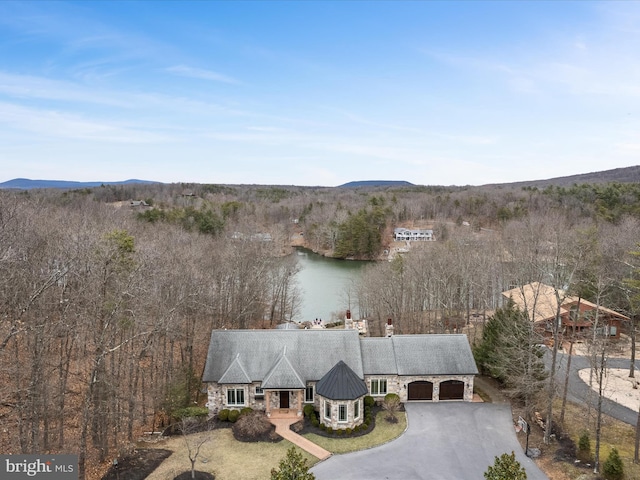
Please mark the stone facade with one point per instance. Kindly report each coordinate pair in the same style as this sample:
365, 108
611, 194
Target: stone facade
333, 420
217, 396
399, 384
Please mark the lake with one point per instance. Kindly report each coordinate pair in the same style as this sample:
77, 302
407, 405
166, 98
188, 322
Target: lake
326, 286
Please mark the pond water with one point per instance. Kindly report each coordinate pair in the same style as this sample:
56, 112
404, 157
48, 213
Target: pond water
327, 286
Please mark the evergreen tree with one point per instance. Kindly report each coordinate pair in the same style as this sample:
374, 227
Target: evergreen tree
292, 467
613, 467
506, 467
510, 352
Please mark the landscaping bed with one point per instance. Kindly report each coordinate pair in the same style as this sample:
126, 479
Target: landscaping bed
138, 465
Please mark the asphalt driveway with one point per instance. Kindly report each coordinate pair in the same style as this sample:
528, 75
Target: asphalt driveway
443, 441
579, 391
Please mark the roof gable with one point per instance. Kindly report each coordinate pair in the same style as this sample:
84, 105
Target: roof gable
283, 375
341, 383
235, 373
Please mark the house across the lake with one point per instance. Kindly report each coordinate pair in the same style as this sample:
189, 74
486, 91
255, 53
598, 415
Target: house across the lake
333, 370
412, 235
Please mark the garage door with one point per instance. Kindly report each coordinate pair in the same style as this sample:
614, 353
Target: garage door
421, 390
452, 390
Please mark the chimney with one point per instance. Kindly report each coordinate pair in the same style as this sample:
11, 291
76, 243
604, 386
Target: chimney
348, 323
388, 330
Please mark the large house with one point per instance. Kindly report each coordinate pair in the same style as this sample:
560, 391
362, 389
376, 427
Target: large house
333, 370
577, 315
412, 235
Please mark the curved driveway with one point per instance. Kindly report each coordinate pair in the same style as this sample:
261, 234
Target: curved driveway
443, 441
579, 391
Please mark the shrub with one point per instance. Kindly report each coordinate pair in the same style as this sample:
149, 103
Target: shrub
340, 432
252, 426
392, 397
190, 412
246, 410
308, 410
233, 416
223, 415
348, 431
612, 467
294, 465
584, 447
391, 404
506, 466
323, 427
314, 421
369, 401
330, 430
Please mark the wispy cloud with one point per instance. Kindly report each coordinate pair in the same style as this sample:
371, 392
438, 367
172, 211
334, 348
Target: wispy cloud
54, 124
199, 73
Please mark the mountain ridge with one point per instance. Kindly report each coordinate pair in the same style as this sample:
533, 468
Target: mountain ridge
620, 175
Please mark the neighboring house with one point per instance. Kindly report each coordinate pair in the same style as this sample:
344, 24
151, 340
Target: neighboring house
333, 370
406, 234
138, 203
578, 315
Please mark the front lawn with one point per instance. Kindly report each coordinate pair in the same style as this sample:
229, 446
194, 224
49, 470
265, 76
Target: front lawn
225, 457
382, 433
229, 459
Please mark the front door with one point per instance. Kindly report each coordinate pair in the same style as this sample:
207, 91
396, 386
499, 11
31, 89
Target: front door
284, 399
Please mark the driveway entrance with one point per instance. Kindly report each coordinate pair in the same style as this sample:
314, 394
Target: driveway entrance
443, 441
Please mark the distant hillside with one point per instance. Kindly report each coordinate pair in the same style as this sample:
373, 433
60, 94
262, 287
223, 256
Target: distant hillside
620, 175
377, 183
27, 184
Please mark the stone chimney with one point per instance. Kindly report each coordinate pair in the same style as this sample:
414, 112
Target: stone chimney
388, 330
348, 322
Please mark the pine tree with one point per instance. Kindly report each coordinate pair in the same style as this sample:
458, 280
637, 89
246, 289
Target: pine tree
506, 467
292, 467
613, 467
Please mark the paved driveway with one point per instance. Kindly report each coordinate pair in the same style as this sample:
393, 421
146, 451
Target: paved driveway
444, 441
579, 391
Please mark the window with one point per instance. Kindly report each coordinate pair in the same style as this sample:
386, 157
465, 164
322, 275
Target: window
356, 410
259, 392
378, 386
327, 410
342, 412
235, 397
308, 394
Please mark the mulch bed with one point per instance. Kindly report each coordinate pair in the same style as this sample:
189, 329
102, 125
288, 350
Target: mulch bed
305, 426
271, 436
138, 465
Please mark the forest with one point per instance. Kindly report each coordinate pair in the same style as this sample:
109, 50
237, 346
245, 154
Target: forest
107, 308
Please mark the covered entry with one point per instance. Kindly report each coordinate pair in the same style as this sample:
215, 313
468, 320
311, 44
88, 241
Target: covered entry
284, 399
420, 390
452, 390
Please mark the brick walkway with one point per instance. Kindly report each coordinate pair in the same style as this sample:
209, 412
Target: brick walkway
283, 423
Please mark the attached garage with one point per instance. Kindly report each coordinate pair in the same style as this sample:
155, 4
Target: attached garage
452, 390
420, 390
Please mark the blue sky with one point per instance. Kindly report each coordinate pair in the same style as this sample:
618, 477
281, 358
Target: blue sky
318, 93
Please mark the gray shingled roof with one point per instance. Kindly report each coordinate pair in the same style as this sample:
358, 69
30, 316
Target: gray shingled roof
341, 383
312, 352
283, 375
235, 373
418, 355
242, 356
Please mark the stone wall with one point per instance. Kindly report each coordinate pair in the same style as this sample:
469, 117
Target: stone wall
399, 384
333, 421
